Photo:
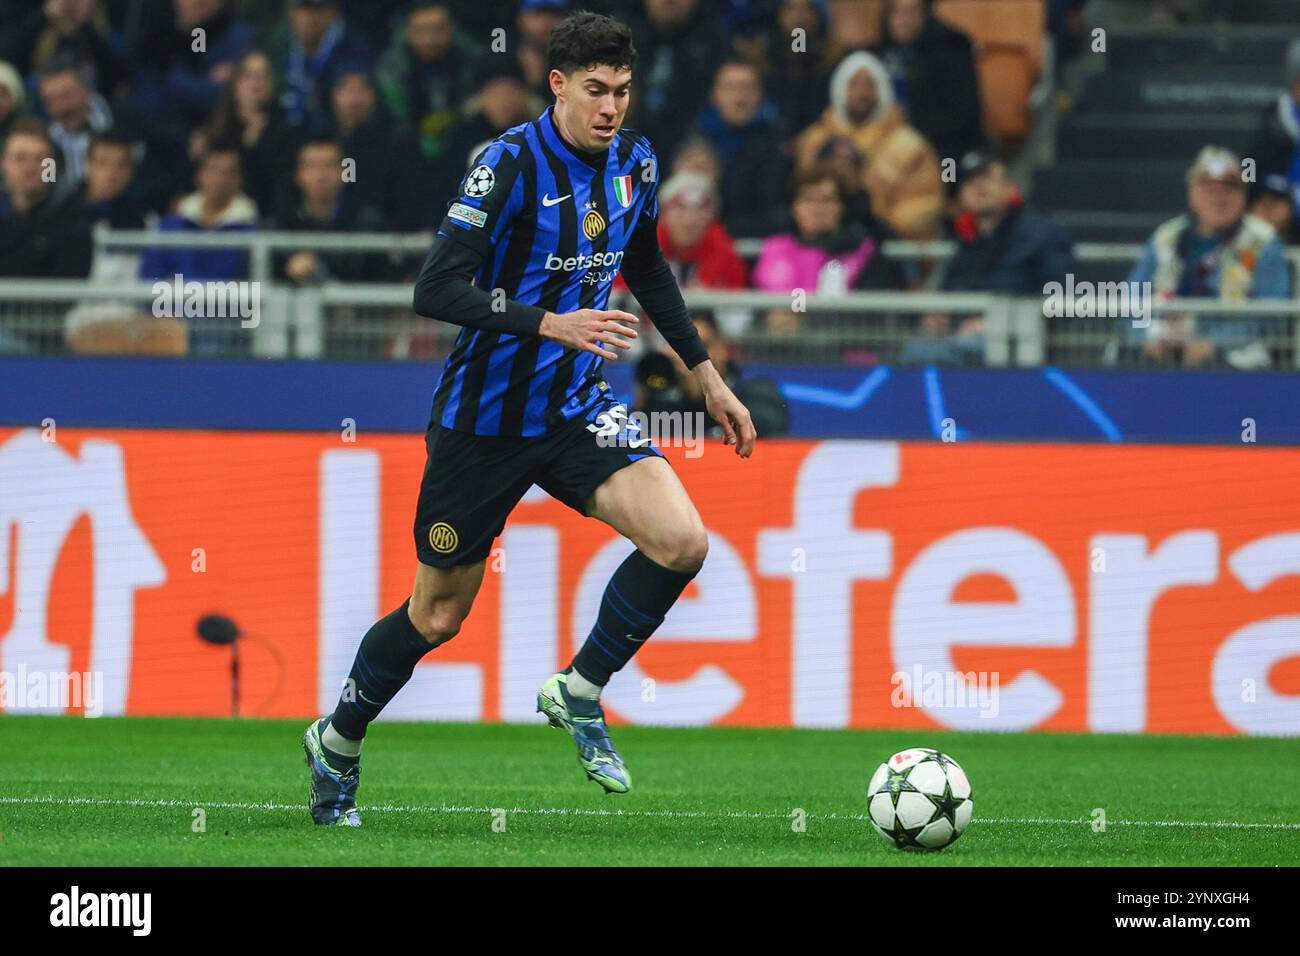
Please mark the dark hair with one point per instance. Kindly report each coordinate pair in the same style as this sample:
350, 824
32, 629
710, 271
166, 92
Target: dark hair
329, 141
30, 126
420, 6
815, 175
67, 63
222, 149
739, 61
112, 137
586, 39
224, 125
927, 11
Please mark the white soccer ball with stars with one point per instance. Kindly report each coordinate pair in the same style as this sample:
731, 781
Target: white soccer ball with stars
479, 181
919, 799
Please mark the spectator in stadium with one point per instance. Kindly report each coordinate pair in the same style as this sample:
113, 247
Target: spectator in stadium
796, 77
932, 67
106, 190
748, 136
249, 116
664, 384
1001, 245
828, 254
503, 102
43, 233
12, 96
1217, 250
901, 172
427, 73
696, 244
218, 205
188, 90
390, 174
76, 112
1277, 143
678, 45
842, 157
66, 31
533, 25
309, 56
326, 204
1067, 27
1272, 199
697, 154
116, 327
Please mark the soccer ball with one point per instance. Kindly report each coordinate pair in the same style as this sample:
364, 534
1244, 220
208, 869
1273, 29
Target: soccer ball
919, 798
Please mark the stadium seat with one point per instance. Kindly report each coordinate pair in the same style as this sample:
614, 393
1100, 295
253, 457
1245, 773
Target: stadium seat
1008, 35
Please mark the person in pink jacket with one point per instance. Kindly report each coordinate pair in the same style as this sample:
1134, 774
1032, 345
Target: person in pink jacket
827, 254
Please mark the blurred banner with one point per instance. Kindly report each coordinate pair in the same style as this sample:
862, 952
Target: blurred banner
849, 583
882, 401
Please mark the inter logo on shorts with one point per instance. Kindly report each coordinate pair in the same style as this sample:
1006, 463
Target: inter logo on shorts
443, 538
623, 190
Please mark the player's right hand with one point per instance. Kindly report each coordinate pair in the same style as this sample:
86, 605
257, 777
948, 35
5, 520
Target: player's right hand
590, 330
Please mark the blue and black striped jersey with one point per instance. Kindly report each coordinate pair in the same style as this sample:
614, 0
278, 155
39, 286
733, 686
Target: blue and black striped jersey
549, 227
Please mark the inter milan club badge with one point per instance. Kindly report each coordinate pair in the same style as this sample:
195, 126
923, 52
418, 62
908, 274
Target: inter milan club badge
623, 190
593, 224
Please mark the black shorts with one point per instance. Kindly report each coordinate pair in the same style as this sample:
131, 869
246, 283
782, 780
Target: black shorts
472, 482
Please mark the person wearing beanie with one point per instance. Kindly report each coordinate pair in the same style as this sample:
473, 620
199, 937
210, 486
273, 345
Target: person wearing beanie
901, 172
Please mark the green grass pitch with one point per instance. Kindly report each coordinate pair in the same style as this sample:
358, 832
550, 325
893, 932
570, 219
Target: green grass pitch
123, 792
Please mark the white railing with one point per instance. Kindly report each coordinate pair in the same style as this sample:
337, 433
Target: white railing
294, 321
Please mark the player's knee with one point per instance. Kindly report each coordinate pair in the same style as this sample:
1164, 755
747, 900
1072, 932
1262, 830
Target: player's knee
687, 551
438, 624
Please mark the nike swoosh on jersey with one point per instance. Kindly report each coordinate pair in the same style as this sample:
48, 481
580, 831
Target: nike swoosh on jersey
548, 201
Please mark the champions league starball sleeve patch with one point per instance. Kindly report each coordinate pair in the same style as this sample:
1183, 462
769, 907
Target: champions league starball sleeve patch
480, 181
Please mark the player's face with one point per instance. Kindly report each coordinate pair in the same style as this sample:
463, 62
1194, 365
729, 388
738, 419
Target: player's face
590, 104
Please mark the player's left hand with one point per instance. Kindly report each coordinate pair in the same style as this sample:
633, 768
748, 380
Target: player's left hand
729, 412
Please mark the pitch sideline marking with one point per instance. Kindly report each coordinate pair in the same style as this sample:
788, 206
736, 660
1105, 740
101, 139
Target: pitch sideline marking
585, 811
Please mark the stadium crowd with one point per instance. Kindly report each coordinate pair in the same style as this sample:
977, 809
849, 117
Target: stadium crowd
213, 116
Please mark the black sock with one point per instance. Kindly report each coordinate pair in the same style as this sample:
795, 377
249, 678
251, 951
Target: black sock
384, 663
635, 602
